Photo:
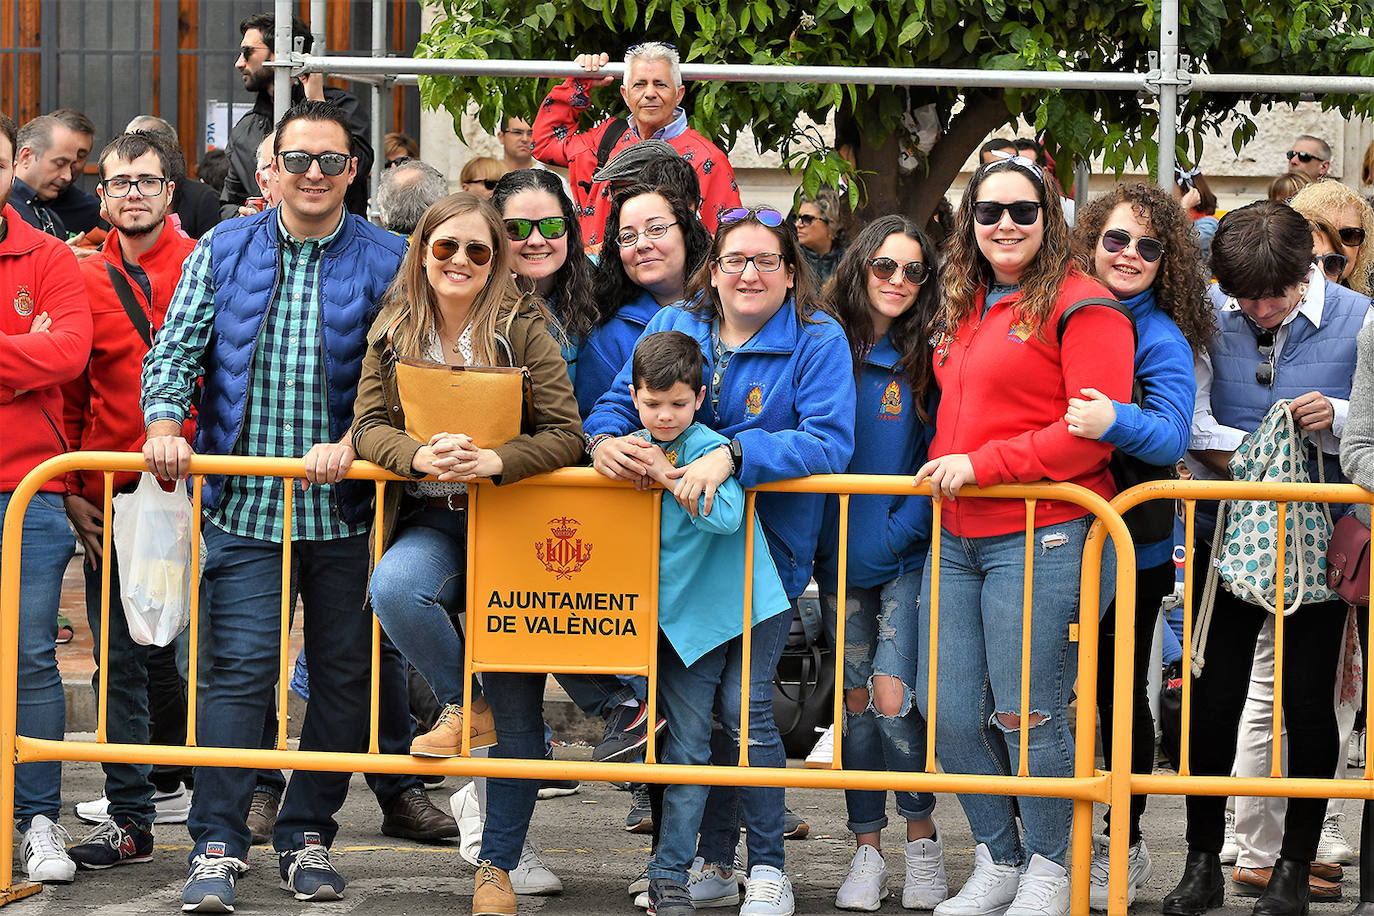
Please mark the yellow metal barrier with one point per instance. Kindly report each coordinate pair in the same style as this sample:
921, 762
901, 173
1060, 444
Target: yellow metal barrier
1086, 786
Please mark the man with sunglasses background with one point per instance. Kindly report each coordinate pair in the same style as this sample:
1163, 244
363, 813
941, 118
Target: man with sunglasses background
272, 310
258, 32
1311, 156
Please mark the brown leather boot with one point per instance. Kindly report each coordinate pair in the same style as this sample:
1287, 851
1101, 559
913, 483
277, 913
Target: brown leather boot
492, 894
446, 738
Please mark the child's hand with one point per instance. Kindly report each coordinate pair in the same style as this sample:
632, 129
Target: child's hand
1090, 418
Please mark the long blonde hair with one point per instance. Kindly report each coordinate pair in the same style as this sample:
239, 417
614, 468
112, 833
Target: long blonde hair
1325, 198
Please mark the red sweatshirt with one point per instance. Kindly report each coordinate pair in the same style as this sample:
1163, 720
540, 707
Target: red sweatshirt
38, 274
100, 406
1003, 395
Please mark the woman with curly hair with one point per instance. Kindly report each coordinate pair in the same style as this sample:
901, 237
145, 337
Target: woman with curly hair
1140, 243
1354, 221
1005, 372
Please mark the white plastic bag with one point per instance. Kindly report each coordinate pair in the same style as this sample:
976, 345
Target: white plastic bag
152, 538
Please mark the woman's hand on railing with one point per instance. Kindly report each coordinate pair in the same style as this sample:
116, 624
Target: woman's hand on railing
946, 475
624, 458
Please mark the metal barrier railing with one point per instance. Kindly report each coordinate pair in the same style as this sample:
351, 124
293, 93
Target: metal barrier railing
1086, 786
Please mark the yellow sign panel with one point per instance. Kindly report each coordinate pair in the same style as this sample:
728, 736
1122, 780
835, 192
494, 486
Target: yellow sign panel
562, 577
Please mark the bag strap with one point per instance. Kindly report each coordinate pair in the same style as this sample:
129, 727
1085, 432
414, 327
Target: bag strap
614, 131
1203, 625
137, 316
1105, 303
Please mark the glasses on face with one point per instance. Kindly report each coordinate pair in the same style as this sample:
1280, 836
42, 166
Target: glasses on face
519, 132
1351, 235
1333, 265
1304, 157
148, 186
488, 183
765, 262
806, 219
550, 227
247, 51
1115, 241
915, 272
1023, 212
765, 215
297, 162
629, 238
1264, 372
478, 253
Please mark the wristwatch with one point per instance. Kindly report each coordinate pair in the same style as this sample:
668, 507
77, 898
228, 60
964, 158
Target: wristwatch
736, 455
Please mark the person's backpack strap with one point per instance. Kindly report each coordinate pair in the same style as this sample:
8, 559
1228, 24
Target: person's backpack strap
1106, 303
614, 131
131, 307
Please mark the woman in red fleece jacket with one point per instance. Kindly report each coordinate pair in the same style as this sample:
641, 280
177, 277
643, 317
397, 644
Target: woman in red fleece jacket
1005, 377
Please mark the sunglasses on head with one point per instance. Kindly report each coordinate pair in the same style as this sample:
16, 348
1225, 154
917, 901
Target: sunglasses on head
1023, 212
550, 227
1351, 235
807, 219
765, 215
297, 161
915, 272
488, 183
1117, 240
478, 253
1333, 265
1304, 157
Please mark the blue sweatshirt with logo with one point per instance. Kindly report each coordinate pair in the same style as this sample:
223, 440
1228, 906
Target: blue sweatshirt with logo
607, 349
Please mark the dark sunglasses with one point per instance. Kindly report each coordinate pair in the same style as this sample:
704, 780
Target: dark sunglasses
915, 272
1333, 265
1264, 372
1304, 157
807, 219
765, 215
1351, 235
550, 227
488, 183
1115, 241
1023, 212
478, 253
297, 161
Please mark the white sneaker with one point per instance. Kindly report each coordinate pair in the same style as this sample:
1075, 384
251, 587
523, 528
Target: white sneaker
1138, 870
467, 811
1230, 849
171, 807
1044, 890
865, 887
926, 884
532, 876
769, 893
710, 886
1355, 752
823, 752
1332, 846
988, 891
45, 852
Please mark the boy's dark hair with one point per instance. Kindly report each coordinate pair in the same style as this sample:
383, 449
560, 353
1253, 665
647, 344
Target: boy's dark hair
266, 24
11, 133
664, 358
313, 110
1261, 250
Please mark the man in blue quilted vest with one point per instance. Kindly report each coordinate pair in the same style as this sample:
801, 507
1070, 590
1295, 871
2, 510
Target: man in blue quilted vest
271, 312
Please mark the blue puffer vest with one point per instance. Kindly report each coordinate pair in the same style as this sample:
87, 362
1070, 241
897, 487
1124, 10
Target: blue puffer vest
355, 270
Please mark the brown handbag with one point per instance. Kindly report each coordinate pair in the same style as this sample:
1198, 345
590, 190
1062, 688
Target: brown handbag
1347, 561
488, 403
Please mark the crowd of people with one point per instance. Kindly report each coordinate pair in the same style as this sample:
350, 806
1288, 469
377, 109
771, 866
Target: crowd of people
673, 336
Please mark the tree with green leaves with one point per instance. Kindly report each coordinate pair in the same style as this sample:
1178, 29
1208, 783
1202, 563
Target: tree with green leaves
1327, 37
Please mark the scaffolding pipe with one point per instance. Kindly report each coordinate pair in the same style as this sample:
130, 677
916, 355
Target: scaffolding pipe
281, 50
378, 143
1168, 93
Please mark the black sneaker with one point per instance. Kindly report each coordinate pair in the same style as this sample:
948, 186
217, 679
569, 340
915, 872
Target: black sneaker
627, 730
794, 827
641, 816
115, 842
669, 898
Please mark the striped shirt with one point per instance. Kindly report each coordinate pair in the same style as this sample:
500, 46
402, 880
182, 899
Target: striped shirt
288, 407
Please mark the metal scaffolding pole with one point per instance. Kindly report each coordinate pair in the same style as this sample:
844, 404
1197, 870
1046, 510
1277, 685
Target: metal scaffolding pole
378, 144
1168, 92
281, 50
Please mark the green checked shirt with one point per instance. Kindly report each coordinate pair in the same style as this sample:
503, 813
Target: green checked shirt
287, 410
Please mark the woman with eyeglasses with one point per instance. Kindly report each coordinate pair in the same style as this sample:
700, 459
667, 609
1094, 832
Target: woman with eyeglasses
1006, 366
480, 175
454, 302
820, 232
781, 389
1284, 333
1353, 220
884, 294
1140, 244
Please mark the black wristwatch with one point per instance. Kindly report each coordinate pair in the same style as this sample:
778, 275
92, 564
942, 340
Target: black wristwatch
736, 455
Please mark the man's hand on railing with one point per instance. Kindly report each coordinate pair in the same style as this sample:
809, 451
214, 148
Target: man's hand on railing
328, 462
168, 455
946, 475
89, 522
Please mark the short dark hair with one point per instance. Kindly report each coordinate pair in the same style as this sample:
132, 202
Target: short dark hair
137, 143
8, 129
672, 172
313, 110
266, 23
663, 359
213, 167
1260, 250
1027, 145
996, 143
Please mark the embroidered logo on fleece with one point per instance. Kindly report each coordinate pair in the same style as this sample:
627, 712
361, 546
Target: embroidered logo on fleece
890, 408
754, 404
23, 302
1020, 333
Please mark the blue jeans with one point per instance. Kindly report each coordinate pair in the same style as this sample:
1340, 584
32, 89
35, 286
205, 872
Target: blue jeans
880, 637
128, 786
244, 577
48, 544
599, 694
517, 707
979, 677
762, 807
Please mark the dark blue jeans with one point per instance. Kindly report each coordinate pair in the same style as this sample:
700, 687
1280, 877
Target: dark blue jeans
244, 575
517, 706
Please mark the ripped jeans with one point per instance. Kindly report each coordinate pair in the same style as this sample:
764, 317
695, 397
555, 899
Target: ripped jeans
979, 677
880, 638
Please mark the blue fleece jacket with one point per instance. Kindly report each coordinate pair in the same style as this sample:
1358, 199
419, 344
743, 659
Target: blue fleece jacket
888, 535
607, 349
788, 397
1156, 432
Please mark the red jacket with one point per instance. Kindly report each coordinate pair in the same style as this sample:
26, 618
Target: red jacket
556, 142
100, 406
38, 274
1003, 395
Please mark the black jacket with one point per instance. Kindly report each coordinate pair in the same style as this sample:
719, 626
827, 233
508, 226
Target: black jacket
197, 205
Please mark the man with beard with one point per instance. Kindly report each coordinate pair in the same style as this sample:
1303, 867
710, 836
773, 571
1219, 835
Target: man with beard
258, 31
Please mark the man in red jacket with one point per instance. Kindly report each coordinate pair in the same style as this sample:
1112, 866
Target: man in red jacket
653, 91
45, 338
129, 286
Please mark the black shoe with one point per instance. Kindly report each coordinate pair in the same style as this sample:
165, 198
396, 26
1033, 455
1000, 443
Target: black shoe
641, 816
1200, 889
1286, 894
669, 898
627, 730
794, 826
115, 842
413, 816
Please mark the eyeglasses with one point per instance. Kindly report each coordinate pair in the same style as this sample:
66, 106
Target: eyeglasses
550, 227
807, 219
488, 183
1264, 372
765, 215
148, 186
478, 253
297, 162
1304, 157
247, 51
915, 272
765, 262
519, 131
1351, 235
1333, 265
1115, 241
1023, 212
629, 238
